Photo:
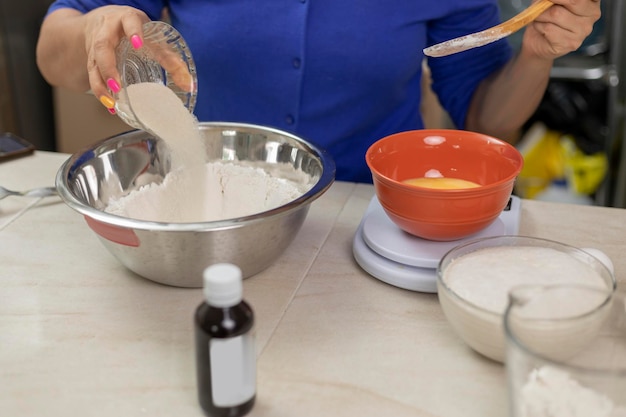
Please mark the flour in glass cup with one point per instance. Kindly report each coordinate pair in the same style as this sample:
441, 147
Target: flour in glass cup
551, 392
196, 190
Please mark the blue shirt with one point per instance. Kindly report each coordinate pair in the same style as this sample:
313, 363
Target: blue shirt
341, 74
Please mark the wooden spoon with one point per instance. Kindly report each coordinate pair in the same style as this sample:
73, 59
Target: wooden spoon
487, 36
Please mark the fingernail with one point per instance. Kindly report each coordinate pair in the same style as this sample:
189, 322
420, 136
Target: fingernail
113, 85
136, 41
111, 110
107, 102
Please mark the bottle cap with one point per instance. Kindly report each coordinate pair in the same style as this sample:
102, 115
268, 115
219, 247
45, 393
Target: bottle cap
223, 285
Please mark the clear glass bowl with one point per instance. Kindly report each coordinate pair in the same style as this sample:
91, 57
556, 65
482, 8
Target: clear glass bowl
164, 58
481, 328
566, 352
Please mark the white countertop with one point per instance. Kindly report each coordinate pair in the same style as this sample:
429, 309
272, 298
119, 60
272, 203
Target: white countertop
81, 335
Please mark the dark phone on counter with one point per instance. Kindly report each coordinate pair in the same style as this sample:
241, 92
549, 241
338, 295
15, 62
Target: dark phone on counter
12, 146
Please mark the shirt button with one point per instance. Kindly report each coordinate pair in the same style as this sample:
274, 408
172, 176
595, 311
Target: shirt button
302, 1
289, 119
296, 63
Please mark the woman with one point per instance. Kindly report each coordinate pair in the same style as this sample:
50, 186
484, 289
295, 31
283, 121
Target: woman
339, 73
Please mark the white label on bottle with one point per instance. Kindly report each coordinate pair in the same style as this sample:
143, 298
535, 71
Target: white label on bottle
233, 370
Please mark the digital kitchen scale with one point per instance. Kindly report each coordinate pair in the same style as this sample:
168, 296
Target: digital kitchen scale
398, 258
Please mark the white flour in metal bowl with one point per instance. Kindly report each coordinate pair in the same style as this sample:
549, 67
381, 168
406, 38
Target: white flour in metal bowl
231, 189
196, 190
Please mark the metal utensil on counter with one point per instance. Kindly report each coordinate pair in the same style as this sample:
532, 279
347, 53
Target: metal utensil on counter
35, 192
490, 35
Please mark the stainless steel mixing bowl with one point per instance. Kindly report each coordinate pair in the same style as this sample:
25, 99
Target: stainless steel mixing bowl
177, 253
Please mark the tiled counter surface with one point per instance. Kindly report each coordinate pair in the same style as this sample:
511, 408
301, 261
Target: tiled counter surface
81, 335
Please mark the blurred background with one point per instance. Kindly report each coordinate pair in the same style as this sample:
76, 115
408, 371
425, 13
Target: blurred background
573, 145
51, 119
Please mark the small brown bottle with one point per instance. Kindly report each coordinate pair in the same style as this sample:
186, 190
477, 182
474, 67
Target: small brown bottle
225, 352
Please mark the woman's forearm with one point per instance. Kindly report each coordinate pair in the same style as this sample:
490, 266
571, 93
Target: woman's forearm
61, 54
505, 101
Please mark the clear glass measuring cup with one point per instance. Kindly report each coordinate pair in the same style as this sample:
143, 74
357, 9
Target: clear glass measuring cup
164, 58
566, 351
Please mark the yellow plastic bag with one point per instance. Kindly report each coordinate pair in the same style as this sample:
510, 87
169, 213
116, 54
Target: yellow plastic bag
543, 161
550, 155
584, 173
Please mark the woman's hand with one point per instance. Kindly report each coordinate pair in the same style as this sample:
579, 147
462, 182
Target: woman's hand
104, 28
561, 29
77, 51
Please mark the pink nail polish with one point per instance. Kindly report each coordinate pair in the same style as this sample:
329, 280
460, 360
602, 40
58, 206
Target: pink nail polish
111, 110
136, 41
113, 85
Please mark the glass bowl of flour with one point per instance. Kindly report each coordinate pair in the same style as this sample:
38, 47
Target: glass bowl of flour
474, 281
240, 196
566, 351
164, 59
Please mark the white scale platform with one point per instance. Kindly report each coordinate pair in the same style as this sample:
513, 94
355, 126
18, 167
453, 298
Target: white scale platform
398, 258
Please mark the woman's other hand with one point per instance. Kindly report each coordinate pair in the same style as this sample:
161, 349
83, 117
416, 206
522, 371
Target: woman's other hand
561, 29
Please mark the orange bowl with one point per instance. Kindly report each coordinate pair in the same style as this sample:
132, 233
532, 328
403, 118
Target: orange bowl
443, 214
